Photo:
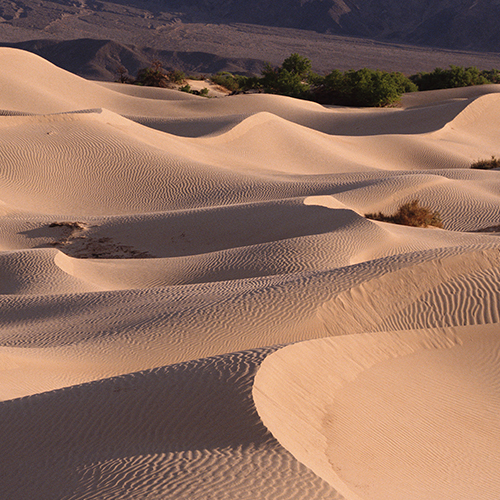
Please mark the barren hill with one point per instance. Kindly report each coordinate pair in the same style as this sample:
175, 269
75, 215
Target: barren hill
205, 36
464, 24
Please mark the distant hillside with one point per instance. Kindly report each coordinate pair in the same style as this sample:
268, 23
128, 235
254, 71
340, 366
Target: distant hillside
100, 59
453, 24
458, 24
92, 38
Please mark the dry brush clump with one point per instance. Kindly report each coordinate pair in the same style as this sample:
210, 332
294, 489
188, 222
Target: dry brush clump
410, 214
493, 162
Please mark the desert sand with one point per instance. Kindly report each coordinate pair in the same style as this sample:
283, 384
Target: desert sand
193, 305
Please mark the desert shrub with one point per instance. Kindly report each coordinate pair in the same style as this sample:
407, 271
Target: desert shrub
187, 88
279, 81
492, 75
122, 74
364, 87
153, 76
295, 78
455, 76
410, 214
226, 80
176, 76
486, 164
236, 83
248, 82
295, 64
290, 79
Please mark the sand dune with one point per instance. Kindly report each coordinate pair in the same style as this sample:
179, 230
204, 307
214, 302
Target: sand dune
172, 453
398, 415
157, 248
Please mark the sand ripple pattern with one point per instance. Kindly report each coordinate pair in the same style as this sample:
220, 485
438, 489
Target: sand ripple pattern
176, 451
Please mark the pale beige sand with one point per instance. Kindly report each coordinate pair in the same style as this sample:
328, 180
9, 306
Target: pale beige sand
147, 230
388, 416
183, 431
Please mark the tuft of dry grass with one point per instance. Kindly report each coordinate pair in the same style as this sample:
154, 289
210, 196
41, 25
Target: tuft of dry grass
486, 164
410, 214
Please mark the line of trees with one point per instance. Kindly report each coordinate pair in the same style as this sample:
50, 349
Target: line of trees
455, 76
295, 78
363, 87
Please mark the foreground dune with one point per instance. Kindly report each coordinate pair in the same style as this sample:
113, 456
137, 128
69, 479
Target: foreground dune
398, 415
156, 249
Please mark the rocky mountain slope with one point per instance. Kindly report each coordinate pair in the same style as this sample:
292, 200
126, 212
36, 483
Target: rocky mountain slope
210, 35
462, 24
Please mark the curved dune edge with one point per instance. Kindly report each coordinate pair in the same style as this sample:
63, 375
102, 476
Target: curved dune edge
391, 415
188, 430
57, 340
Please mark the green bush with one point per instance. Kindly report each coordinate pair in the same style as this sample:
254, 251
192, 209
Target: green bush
297, 65
176, 76
455, 76
226, 80
290, 79
153, 76
365, 87
410, 214
492, 75
248, 82
486, 164
295, 78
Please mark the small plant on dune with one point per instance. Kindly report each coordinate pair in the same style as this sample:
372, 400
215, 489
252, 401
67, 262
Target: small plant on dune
486, 164
187, 88
156, 76
226, 80
153, 76
176, 76
410, 214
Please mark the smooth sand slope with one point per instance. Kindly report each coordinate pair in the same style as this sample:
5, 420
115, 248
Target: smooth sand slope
157, 248
408, 414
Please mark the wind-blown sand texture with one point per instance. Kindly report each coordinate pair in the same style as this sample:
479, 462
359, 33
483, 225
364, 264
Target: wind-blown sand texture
193, 305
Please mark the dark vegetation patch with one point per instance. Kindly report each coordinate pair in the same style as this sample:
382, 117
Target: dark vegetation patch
295, 78
363, 87
410, 214
489, 229
73, 239
493, 162
454, 77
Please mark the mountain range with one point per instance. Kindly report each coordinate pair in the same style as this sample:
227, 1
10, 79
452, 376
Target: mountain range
93, 37
453, 24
